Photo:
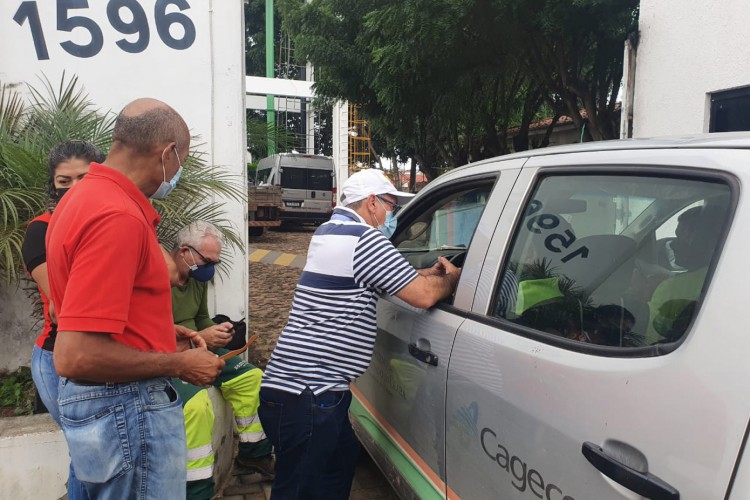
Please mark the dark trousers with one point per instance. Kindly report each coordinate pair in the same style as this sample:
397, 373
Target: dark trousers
316, 449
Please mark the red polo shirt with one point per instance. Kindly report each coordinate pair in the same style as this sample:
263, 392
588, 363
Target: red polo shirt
106, 271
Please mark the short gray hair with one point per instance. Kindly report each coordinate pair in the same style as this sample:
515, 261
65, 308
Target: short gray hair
356, 204
193, 234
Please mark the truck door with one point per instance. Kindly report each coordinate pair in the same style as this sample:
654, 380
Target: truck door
320, 190
600, 360
294, 187
400, 399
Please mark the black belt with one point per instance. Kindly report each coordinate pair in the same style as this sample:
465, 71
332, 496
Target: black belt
49, 342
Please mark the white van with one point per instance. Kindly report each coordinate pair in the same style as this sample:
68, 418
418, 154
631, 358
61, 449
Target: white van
596, 347
307, 185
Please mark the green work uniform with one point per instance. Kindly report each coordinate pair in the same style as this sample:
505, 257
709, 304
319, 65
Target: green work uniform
239, 383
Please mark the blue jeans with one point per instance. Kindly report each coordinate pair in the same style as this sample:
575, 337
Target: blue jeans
46, 381
126, 441
316, 449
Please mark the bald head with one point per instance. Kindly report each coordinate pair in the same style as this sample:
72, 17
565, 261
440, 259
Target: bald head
147, 124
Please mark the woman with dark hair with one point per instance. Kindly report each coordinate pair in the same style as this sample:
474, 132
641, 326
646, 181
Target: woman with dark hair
68, 163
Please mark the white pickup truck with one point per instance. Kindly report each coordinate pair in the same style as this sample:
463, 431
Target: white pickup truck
595, 347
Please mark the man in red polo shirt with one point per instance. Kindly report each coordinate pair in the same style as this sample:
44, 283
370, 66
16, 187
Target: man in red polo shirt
116, 341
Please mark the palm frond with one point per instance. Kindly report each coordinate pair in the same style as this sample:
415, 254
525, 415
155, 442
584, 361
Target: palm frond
17, 205
11, 111
11, 239
195, 198
22, 165
57, 113
28, 130
259, 132
64, 113
200, 195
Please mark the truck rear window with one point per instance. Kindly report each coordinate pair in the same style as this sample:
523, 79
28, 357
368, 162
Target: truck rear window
319, 180
306, 178
294, 178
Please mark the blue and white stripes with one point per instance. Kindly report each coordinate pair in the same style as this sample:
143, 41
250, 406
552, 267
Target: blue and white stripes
329, 338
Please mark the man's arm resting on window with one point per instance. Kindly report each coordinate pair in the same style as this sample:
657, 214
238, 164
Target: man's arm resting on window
429, 288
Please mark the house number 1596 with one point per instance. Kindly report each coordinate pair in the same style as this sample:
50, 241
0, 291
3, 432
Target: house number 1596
136, 23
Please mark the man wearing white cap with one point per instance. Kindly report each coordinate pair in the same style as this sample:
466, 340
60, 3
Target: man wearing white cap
329, 338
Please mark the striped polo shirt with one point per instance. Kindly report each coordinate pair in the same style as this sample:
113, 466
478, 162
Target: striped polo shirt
330, 334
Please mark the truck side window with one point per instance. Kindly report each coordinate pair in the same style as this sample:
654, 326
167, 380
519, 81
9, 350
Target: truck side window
619, 261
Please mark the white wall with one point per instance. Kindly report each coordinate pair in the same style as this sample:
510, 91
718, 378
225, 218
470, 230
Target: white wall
340, 143
18, 330
687, 49
203, 81
34, 454
228, 140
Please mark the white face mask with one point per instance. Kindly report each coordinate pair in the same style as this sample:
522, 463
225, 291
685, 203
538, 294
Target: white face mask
167, 187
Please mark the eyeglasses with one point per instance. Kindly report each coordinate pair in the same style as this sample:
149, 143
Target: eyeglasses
395, 207
206, 262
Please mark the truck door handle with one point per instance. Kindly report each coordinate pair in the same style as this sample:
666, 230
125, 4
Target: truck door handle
423, 355
312, 194
642, 483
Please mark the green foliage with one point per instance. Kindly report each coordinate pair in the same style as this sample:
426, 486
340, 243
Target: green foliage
255, 42
575, 49
197, 197
258, 132
255, 37
17, 391
442, 81
290, 131
56, 113
27, 132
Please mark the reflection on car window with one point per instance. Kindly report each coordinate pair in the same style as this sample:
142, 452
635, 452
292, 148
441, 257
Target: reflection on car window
444, 228
590, 260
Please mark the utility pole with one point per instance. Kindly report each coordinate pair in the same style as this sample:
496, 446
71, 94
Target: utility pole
270, 112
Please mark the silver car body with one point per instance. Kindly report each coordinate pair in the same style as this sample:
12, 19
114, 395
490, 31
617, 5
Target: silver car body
461, 403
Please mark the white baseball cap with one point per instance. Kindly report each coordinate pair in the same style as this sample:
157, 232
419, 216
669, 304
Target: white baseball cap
370, 181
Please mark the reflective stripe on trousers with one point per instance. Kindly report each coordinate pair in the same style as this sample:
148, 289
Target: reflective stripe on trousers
199, 424
242, 393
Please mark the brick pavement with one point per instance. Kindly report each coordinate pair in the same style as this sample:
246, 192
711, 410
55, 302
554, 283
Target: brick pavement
369, 484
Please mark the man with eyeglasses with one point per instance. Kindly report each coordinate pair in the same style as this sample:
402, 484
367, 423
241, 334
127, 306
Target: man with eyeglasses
329, 338
196, 254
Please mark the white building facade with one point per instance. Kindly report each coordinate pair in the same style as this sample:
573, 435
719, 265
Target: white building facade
190, 54
692, 69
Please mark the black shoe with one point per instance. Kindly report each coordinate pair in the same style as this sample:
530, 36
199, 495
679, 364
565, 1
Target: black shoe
263, 465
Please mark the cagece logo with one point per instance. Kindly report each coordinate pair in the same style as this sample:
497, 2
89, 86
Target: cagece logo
522, 477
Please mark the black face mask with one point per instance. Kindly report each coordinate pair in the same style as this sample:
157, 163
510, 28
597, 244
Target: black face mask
59, 193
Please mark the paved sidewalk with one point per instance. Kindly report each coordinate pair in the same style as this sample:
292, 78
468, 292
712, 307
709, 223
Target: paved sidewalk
369, 484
